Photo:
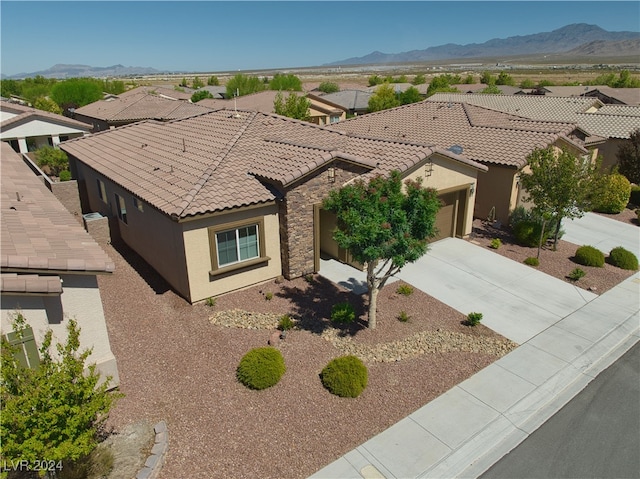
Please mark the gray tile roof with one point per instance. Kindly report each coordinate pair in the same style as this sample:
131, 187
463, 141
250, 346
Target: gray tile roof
611, 121
38, 233
140, 106
350, 99
486, 136
628, 96
216, 161
26, 113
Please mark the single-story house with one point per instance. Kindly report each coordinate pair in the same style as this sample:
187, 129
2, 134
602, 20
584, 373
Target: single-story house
27, 129
497, 140
607, 126
321, 110
132, 107
232, 198
48, 267
615, 96
355, 102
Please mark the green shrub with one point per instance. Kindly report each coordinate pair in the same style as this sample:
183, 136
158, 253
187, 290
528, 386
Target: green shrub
65, 175
634, 196
589, 256
210, 301
527, 226
531, 261
345, 376
403, 317
474, 319
405, 290
268, 296
527, 233
611, 193
576, 274
495, 243
53, 158
343, 313
623, 258
285, 323
261, 368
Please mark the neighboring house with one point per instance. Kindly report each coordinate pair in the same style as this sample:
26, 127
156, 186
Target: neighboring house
478, 87
497, 140
355, 102
609, 126
321, 110
133, 107
169, 93
232, 198
49, 265
27, 129
615, 96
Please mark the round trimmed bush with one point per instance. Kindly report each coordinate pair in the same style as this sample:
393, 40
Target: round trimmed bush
261, 368
345, 376
532, 261
589, 256
623, 258
611, 194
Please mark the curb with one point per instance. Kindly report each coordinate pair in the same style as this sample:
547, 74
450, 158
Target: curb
154, 462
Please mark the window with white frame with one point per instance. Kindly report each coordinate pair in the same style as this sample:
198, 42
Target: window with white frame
102, 191
122, 208
237, 244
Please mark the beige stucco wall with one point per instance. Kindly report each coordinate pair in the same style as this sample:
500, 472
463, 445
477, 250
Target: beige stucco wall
198, 253
609, 153
497, 188
448, 175
79, 300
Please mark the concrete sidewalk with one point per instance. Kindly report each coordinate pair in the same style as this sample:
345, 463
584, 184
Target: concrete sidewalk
470, 427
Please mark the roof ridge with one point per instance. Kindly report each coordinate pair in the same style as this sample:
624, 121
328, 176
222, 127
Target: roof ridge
202, 180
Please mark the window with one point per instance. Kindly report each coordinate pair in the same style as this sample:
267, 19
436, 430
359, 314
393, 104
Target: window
334, 119
237, 245
122, 208
138, 204
102, 191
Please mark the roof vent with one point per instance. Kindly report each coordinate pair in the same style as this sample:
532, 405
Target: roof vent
456, 149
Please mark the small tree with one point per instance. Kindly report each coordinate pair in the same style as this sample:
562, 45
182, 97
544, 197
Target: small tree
629, 157
410, 95
442, 83
76, 92
419, 79
294, 106
54, 159
213, 81
505, 79
197, 83
383, 98
382, 227
375, 80
46, 104
559, 184
200, 95
328, 87
54, 411
281, 82
491, 89
241, 85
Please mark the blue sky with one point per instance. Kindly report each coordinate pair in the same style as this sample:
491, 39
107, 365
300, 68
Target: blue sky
210, 36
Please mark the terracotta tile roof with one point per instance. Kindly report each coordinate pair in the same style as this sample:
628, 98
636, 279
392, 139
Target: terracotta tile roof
486, 136
215, 161
609, 121
30, 284
140, 106
38, 233
26, 113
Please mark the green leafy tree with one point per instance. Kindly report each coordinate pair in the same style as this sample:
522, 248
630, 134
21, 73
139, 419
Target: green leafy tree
400, 79
51, 412
10, 87
441, 83
328, 87
505, 79
201, 95
487, 78
184, 83
543, 83
295, 106
47, 104
375, 80
281, 82
491, 89
213, 81
54, 159
629, 157
383, 98
31, 92
241, 85
527, 83
113, 86
384, 227
410, 95
469, 80
559, 184
419, 79
76, 92
197, 83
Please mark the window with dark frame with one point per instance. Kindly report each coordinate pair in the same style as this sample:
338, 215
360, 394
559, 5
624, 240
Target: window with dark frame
122, 208
102, 191
237, 245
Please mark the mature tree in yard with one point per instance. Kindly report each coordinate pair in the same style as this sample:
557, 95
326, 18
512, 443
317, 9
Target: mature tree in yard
201, 95
384, 227
559, 184
213, 81
47, 104
328, 87
294, 106
289, 82
383, 98
76, 92
410, 95
242, 84
54, 159
629, 157
52, 410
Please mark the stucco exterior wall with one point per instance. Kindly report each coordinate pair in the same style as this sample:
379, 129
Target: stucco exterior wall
497, 188
609, 153
67, 194
79, 300
198, 254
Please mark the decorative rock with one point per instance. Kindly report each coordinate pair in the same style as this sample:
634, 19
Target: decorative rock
274, 339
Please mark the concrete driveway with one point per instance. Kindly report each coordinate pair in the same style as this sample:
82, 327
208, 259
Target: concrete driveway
602, 233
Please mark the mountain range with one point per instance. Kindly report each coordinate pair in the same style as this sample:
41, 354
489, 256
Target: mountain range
62, 71
576, 38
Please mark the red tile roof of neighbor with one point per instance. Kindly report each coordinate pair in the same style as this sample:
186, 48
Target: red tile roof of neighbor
485, 135
140, 106
215, 161
27, 113
38, 233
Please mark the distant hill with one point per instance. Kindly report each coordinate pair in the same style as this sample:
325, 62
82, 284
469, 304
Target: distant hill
563, 40
62, 71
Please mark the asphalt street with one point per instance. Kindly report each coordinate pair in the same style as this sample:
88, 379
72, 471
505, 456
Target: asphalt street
596, 435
